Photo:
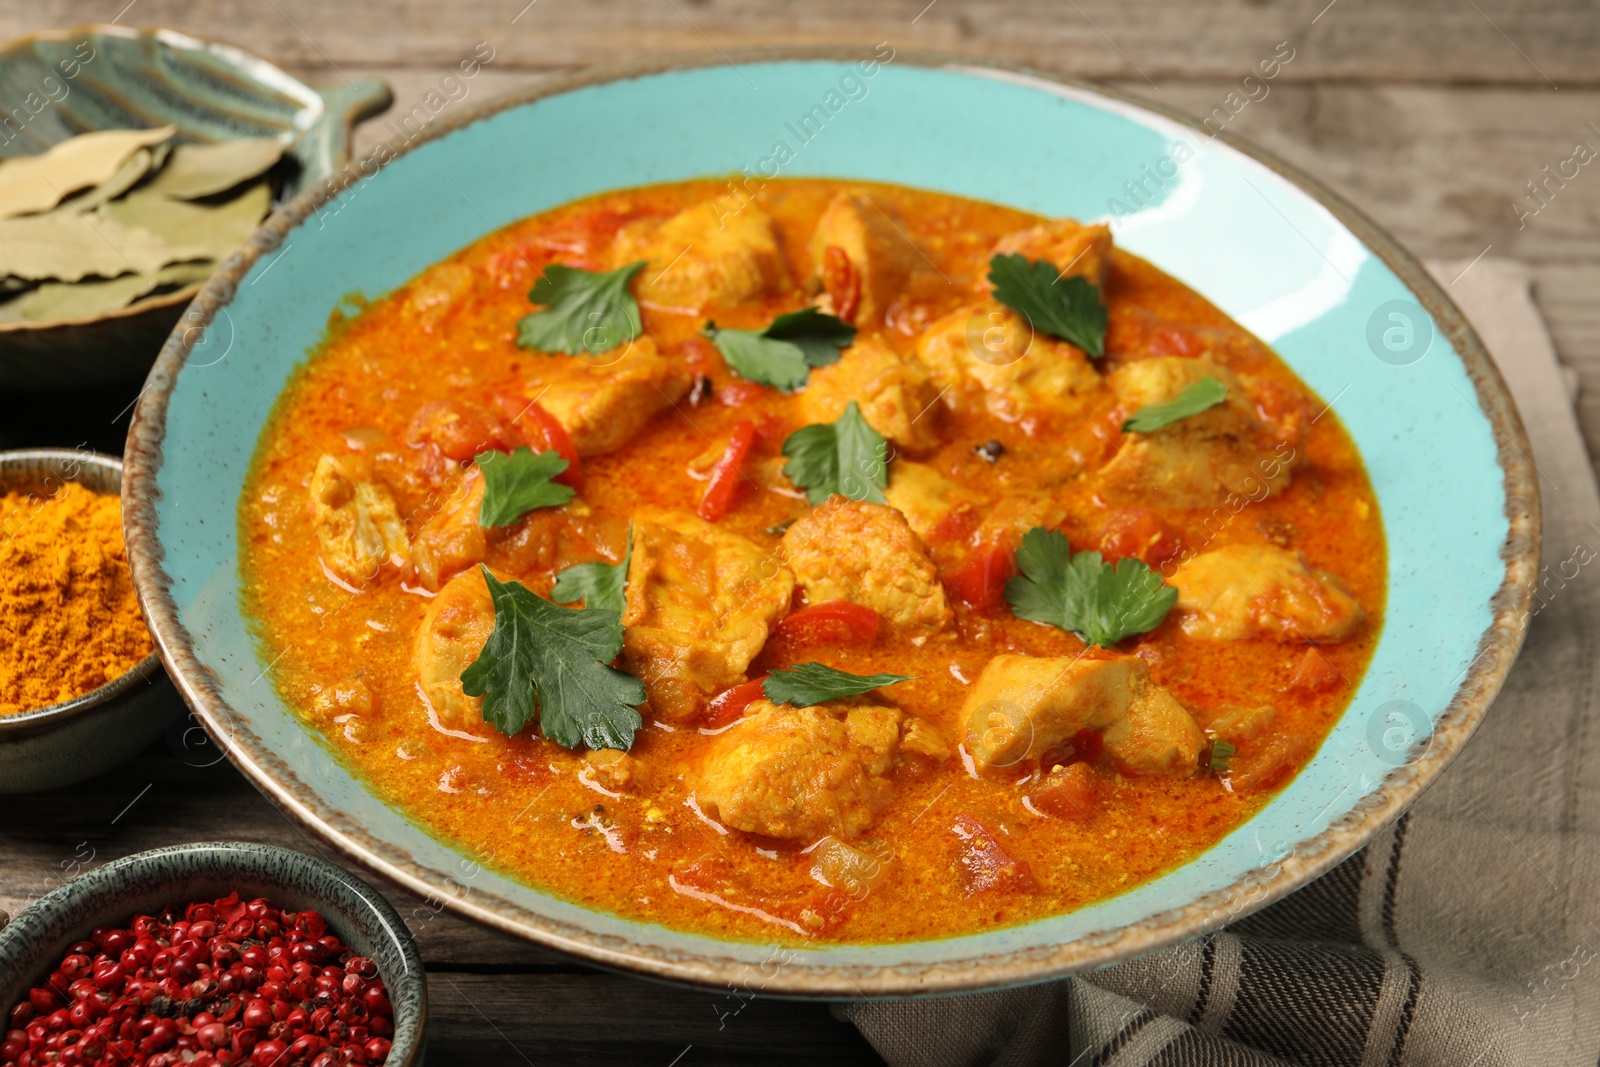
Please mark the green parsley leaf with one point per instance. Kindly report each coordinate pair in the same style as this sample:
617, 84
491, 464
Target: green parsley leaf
847, 457
585, 311
806, 684
516, 483
1083, 593
598, 585
1068, 308
783, 354
552, 662
1195, 398
1221, 756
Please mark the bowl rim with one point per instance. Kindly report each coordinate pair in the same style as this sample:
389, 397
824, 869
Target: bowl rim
1497, 647
109, 877
30, 721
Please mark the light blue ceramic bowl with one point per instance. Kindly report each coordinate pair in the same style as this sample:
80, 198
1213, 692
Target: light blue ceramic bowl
1352, 313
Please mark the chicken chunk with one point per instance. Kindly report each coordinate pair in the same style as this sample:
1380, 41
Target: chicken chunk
700, 602
1022, 706
894, 393
867, 554
1017, 513
603, 407
452, 539
451, 637
924, 496
985, 357
802, 773
1076, 249
1262, 591
708, 255
358, 526
1200, 460
877, 258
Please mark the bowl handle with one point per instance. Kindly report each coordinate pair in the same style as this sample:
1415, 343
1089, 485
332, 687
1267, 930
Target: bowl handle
325, 146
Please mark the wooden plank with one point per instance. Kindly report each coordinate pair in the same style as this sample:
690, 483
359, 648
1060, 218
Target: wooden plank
1566, 294
1530, 42
569, 1019
156, 800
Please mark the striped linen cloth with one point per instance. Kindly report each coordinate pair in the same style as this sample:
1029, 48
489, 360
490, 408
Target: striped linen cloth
1465, 935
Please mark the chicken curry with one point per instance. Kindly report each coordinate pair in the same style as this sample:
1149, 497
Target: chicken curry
829, 561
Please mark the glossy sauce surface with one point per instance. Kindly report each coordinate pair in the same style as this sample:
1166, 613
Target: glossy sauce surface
342, 655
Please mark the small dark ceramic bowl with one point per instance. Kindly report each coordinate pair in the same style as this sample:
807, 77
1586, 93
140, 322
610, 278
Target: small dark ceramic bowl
142, 883
68, 742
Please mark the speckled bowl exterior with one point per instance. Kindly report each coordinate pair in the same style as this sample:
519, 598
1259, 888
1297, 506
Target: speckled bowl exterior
66, 82
65, 743
139, 884
1350, 311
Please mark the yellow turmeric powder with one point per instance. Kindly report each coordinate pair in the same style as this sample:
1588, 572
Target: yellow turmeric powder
69, 621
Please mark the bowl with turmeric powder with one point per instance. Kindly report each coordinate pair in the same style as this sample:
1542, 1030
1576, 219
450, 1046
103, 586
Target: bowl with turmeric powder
81, 688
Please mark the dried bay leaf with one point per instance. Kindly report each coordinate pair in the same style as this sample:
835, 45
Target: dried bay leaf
38, 183
217, 227
134, 168
54, 301
197, 170
66, 245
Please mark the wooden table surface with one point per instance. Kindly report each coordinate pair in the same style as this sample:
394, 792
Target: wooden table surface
1433, 116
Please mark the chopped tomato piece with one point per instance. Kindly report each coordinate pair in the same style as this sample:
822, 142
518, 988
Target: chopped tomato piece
1284, 410
461, 430
1068, 792
985, 865
771, 431
515, 266
1263, 765
1171, 340
1315, 674
956, 524
979, 581
1142, 534
583, 234
836, 622
737, 394
545, 434
841, 282
729, 704
728, 478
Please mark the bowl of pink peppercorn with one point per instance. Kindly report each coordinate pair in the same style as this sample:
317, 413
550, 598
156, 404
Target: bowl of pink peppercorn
211, 955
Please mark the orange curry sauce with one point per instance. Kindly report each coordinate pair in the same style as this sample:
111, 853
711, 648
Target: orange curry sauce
343, 654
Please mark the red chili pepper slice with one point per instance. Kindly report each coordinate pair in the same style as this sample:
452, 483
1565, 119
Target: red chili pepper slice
727, 475
729, 704
836, 622
545, 434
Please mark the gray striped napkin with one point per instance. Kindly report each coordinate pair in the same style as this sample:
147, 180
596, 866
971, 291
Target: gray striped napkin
1463, 936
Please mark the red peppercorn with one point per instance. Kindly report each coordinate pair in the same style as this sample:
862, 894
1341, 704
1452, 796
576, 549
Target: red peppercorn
109, 974
269, 1053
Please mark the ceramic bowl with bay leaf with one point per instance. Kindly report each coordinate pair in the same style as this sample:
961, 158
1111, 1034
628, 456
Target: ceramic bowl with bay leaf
135, 164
